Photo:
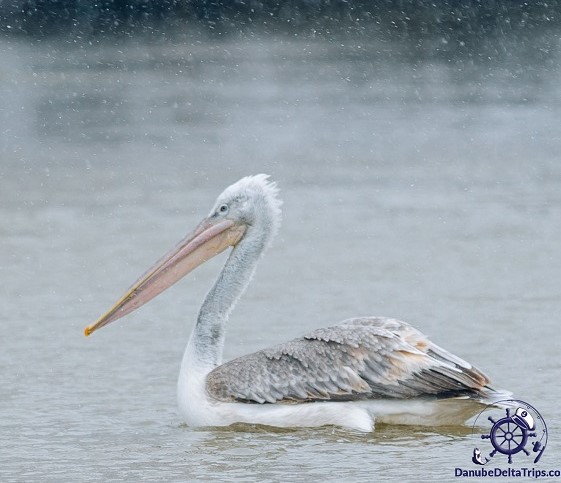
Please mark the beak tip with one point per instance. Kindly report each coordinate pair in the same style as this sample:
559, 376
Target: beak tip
88, 330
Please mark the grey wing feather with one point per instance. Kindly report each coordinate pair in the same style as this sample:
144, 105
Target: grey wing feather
361, 358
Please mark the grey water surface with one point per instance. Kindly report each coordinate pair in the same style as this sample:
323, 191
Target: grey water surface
417, 185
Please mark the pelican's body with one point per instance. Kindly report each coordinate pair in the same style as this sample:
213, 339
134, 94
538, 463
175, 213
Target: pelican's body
354, 374
281, 386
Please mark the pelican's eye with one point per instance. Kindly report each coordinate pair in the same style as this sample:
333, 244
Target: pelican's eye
223, 209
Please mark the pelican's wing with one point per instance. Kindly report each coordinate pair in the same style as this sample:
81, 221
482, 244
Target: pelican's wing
357, 359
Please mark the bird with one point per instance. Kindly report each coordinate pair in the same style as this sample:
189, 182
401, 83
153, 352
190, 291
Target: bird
354, 375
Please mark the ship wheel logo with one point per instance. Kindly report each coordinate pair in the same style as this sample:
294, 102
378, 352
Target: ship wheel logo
510, 434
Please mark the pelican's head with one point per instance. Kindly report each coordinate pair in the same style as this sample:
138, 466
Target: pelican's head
249, 208
251, 202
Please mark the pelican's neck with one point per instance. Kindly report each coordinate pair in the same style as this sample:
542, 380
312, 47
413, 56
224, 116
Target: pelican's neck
205, 346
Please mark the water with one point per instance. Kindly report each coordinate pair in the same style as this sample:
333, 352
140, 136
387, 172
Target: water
416, 185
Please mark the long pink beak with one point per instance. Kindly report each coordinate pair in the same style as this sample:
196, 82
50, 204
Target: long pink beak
207, 240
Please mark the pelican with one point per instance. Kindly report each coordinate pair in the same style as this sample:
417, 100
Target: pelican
363, 371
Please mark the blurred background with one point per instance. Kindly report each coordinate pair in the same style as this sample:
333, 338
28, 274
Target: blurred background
417, 148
